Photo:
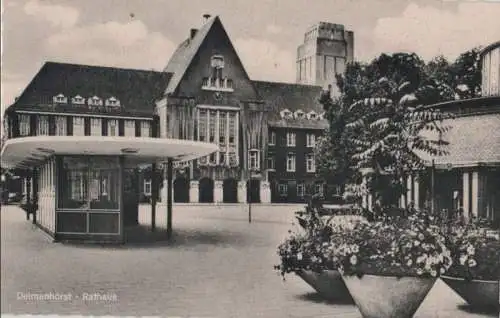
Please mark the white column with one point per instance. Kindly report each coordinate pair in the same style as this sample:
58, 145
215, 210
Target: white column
163, 194
370, 202
364, 203
194, 191
466, 194
402, 200
265, 192
242, 192
218, 191
416, 194
475, 194
409, 187
217, 132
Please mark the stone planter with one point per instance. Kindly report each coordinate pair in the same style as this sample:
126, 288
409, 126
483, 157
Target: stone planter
477, 293
388, 296
328, 284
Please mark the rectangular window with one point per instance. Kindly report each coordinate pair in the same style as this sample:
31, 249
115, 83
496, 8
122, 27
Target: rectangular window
61, 123
89, 184
95, 127
147, 187
300, 190
272, 138
290, 139
222, 158
43, 126
24, 125
233, 159
129, 128
78, 126
212, 123
202, 125
145, 129
290, 162
318, 189
283, 189
222, 127
310, 163
112, 127
311, 140
232, 128
270, 162
253, 160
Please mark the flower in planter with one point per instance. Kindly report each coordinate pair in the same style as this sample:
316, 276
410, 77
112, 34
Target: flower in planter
392, 247
475, 253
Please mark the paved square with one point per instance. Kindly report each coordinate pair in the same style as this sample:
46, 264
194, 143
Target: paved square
218, 265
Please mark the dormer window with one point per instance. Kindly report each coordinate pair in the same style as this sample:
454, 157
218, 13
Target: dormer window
61, 99
299, 114
216, 81
95, 101
78, 100
312, 115
286, 114
112, 101
322, 116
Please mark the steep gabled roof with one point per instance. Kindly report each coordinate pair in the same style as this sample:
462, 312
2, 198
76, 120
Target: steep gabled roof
184, 54
137, 90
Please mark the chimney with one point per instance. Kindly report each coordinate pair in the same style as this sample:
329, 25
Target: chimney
192, 33
206, 17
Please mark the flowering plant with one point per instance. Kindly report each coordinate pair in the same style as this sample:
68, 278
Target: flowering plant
475, 253
412, 246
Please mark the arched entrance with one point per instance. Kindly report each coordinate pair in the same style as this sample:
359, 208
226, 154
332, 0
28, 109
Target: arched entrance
181, 190
253, 191
206, 190
230, 191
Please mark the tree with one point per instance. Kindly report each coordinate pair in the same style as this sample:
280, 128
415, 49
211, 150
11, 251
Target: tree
377, 123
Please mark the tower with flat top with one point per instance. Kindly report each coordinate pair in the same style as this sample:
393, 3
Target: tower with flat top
326, 50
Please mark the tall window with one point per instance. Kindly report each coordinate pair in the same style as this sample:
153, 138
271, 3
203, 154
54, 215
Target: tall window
311, 140
43, 126
212, 123
290, 162
202, 124
113, 127
318, 189
233, 159
147, 187
145, 129
95, 127
290, 139
232, 127
272, 138
129, 126
61, 124
253, 159
300, 190
271, 162
78, 126
222, 158
310, 163
222, 127
24, 125
283, 189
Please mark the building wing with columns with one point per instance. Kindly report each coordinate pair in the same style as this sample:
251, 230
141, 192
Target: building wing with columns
467, 178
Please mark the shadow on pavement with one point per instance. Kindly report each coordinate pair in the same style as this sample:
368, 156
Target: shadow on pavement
316, 298
143, 237
490, 311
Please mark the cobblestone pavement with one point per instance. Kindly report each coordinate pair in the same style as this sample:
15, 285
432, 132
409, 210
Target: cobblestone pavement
218, 265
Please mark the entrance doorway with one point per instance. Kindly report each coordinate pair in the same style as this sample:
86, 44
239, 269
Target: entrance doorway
206, 190
230, 191
253, 191
181, 190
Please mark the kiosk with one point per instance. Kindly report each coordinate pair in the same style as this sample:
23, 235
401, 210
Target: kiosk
85, 186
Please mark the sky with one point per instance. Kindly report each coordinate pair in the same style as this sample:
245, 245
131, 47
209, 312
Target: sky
143, 34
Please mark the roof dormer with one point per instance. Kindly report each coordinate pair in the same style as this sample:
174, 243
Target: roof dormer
78, 100
322, 115
60, 99
299, 114
312, 115
94, 101
286, 114
112, 101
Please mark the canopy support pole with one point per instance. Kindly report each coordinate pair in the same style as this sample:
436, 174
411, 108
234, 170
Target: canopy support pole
169, 197
154, 187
